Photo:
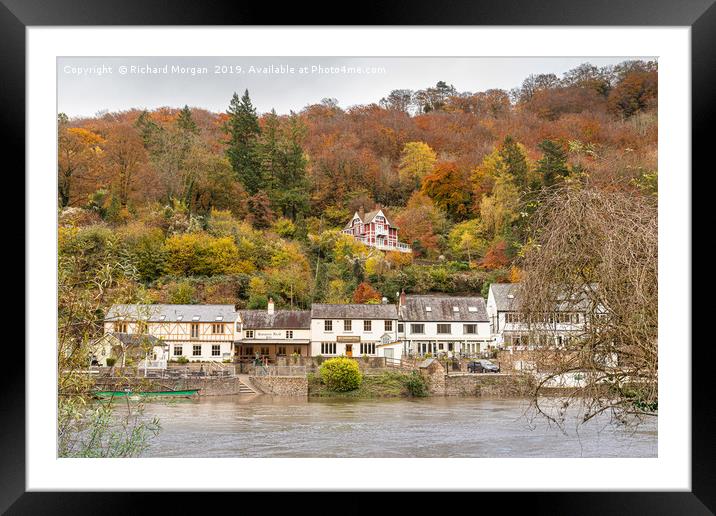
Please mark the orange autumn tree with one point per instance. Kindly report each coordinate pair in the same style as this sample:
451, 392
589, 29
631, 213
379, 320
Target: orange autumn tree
78, 151
449, 189
419, 222
366, 294
496, 256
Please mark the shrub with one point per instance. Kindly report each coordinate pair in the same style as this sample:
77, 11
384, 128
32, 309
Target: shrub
341, 374
415, 384
182, 360
111, 361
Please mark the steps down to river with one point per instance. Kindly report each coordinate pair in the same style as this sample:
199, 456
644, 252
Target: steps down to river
246, 386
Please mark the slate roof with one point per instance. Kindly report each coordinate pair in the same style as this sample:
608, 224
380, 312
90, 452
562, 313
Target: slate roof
135, 339
368, 217
506, 297
325, 311
501, 292
442, 308
172, 313
280, 319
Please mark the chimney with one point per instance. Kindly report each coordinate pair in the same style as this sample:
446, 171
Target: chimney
402, 298
270, 306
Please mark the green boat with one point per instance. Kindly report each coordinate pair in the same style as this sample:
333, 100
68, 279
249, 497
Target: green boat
187, 393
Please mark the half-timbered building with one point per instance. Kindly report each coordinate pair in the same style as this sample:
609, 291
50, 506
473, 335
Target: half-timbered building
196, 332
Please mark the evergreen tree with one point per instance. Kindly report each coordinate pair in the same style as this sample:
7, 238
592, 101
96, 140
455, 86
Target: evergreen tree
185, 121
553, 163
516, 161
243, 130
293, 182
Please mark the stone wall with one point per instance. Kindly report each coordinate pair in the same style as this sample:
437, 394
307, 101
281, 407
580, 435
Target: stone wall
207, 386
467, 384
281, 385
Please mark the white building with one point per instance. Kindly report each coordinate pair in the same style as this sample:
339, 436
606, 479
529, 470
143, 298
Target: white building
273, 333
197, 332
352, 330
438, 324
513, 329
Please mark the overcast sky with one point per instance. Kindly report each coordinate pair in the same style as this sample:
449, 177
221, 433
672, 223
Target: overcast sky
87, 85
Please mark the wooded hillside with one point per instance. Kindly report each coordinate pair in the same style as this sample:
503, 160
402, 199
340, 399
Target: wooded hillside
234, 207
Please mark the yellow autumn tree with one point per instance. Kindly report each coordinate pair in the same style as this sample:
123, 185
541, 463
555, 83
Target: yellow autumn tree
416, 161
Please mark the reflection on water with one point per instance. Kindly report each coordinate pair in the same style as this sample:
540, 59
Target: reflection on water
264, 426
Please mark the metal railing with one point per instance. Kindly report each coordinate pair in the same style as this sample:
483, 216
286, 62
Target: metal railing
276, 370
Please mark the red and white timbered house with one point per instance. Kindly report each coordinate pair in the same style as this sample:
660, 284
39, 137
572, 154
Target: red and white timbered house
374, 229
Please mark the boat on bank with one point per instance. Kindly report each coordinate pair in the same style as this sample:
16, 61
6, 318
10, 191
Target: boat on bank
128, 393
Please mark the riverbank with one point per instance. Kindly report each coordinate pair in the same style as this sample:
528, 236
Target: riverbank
389, 384
430, 383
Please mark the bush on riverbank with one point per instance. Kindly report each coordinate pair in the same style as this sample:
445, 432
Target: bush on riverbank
415, 384
341, 374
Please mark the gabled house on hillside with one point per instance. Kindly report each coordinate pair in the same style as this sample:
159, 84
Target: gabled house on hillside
374, 229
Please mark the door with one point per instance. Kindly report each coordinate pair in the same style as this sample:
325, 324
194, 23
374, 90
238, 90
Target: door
388, 352
349, 350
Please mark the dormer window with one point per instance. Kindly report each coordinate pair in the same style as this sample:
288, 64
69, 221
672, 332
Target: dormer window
455, 308
428, 309
472, 309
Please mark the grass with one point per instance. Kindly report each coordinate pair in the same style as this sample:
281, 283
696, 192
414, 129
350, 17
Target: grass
389, 384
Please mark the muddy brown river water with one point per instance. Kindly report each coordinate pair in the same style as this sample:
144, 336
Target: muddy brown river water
264, 426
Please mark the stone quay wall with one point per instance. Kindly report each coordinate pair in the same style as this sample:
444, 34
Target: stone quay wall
208, 386
444, 383
281, 385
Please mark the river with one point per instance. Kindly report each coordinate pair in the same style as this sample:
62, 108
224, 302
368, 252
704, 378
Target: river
265, 426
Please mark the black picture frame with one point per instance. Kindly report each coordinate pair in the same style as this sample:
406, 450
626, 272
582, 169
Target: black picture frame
700, 15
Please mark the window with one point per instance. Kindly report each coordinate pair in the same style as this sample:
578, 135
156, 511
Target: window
401, 327
217, 328
440, 346
264, 350
194, 331
120, 327
417, 328
367, 348
444, 328
249, 350
367, 325
469, 329
388, 325
142, 327
281, 350
237, 325
196, 350
215, 350
289, 334
297, 350
347, 325
249, 334
327, 325
328, 348
178, 351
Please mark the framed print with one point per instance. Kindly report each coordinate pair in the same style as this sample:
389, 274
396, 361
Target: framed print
398, 255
